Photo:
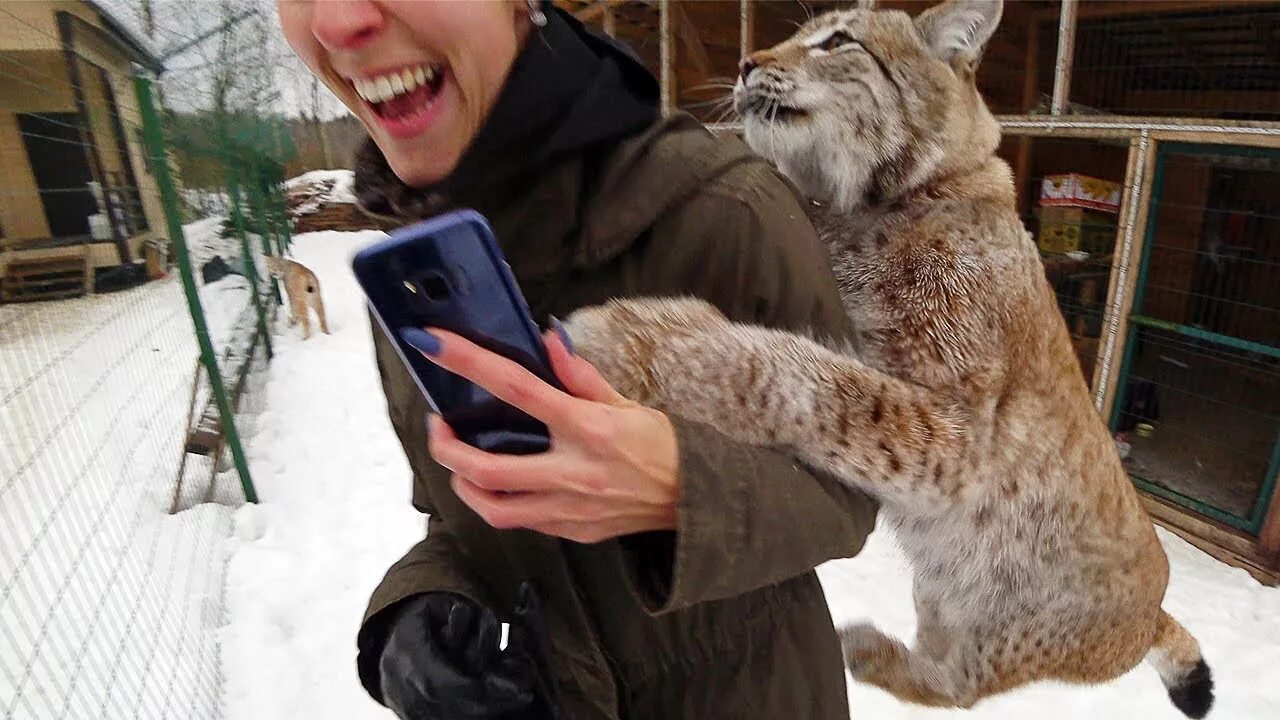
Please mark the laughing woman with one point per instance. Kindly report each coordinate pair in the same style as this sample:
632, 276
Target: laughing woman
673, 567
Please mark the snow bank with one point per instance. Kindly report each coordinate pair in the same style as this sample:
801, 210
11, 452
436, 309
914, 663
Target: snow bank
340, 182
204, 243
318, 188
335, 513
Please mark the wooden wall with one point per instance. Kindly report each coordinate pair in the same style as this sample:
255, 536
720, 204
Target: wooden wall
34, 79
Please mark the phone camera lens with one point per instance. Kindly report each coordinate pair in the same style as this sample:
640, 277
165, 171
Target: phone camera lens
436, 287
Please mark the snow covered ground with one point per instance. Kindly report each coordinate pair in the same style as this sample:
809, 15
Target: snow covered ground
335, 515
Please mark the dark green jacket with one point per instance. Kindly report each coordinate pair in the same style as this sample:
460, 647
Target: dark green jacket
724, 618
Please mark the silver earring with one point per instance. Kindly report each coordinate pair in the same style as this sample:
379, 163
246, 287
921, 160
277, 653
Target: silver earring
536, 15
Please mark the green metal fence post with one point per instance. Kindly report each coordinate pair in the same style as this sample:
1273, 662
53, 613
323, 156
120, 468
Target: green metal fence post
154, 137
250, 267
285, 238
265, 230
282, 151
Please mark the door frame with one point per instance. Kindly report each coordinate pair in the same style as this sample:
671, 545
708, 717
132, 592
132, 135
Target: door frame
1258, 515
29, 134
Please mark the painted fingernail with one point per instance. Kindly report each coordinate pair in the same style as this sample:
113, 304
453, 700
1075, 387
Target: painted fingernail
421, 340
564, 336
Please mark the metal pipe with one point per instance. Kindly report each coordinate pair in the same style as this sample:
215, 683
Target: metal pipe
154, 136
610, 19
1138, 126
1122, 270
1066, 54
664, 54
1135, 127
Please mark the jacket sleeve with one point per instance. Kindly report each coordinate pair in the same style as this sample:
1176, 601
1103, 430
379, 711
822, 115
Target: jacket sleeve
748, 516
433, 563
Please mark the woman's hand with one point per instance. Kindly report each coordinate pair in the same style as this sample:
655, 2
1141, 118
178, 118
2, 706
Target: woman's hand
612, 468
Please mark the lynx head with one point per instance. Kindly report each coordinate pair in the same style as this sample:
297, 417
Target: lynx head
860, 107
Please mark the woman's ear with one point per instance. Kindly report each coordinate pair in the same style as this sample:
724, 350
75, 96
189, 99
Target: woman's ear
525, 20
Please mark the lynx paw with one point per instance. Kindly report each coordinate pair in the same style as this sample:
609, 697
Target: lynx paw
866, 649
624, 338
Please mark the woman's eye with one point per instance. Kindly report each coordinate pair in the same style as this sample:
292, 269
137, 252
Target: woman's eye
837, 40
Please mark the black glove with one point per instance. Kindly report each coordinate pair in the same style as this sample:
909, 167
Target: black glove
442, 662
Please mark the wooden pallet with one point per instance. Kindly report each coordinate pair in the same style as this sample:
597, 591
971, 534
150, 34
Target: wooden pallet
47, 278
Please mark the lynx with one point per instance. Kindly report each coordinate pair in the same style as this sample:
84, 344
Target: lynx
961, 408
303, 290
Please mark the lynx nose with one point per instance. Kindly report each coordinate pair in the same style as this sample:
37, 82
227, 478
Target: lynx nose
746, 66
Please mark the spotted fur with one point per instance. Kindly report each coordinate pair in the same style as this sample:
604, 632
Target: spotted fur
962, 407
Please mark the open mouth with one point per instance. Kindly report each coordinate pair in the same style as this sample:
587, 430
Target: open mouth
763, 107
402, 99
784, 113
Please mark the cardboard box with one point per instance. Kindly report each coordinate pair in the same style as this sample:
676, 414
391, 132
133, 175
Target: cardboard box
157, 260
1071, 229
1081, 191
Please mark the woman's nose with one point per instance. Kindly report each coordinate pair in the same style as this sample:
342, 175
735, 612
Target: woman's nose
347, 24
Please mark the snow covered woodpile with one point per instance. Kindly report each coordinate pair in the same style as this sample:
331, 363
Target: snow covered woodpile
324, 200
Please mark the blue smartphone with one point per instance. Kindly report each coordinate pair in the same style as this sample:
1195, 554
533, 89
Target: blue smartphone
449, 272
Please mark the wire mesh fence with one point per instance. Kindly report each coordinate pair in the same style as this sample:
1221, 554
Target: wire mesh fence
1200, 406
135, 309
1069, 197
1192, 59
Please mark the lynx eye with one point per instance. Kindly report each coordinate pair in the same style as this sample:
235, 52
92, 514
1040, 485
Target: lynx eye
837, 40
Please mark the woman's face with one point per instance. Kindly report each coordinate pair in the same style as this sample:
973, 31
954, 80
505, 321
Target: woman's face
421, 76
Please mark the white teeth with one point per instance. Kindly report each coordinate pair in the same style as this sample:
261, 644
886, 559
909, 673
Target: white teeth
385, 87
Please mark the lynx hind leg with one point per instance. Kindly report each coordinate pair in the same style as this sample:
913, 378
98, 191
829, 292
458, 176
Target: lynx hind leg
910, 675
318, 305
303, 314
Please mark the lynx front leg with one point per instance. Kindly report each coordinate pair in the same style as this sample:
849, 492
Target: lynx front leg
911, 676
766, 387
303, 313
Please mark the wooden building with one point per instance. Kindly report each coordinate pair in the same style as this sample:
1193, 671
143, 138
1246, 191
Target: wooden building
1145, 141
76, 192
